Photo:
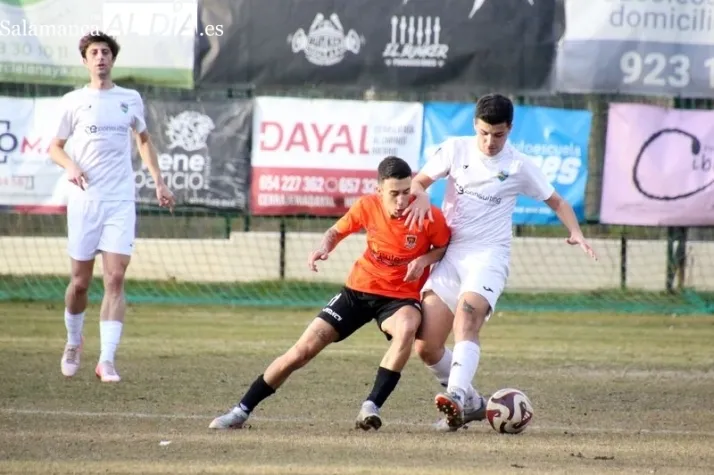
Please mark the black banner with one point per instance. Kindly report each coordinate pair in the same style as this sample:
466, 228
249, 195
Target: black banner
204, 153
444, 44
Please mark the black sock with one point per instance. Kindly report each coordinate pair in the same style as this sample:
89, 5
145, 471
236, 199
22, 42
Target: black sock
257, 391
384, 384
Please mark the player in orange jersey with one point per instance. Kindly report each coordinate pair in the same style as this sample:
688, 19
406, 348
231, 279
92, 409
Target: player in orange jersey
384, 285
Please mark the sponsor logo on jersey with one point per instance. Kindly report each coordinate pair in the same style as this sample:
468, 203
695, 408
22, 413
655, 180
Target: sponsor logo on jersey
96, 129
490, 199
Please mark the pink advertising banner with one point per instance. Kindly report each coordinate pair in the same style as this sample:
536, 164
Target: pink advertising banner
659, 167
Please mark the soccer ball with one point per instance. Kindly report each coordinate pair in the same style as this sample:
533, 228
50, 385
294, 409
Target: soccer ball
509, 411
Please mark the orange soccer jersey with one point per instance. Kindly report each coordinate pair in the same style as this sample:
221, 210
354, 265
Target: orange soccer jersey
391, 246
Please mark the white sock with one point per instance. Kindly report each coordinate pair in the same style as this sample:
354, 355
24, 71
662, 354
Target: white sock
110, 335
463, 369
442, 371
74, 325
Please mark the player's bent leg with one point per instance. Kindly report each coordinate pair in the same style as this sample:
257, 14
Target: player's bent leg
401, 326
112, 313
471, 313
75, 307
316, 337
437, 322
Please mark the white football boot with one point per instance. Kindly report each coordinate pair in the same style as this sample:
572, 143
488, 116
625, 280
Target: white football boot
451, 405
233, 419
70, 359
106, 372
474, 410
368, 417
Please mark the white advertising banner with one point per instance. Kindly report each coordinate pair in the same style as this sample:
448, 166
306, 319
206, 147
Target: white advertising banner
317, 156
651, 47
39, 39
28, 177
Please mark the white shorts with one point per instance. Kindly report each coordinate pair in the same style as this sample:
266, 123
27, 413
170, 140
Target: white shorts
94, 226
481, 272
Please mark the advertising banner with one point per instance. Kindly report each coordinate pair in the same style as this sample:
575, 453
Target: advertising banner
28, 177
651, 47
448, 44
658, 167
318, 156
556, 139
39, 39
204, 153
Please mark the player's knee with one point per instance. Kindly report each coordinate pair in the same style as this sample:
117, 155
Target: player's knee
113, 281
407, 327
428, 351
80, 283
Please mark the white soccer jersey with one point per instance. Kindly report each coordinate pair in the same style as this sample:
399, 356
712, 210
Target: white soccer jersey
481, 191
98, 124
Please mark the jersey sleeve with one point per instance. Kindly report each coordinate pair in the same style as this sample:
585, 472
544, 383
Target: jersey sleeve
439, 232
352, 221
64, 125
438, 165
536, 184
139, 123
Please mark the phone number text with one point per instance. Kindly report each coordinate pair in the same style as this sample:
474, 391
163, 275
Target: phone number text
316, 184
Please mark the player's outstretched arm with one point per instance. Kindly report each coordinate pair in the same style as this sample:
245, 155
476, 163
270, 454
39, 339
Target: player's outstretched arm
330, 239
567, 216
58, 155
148, 154
351, 222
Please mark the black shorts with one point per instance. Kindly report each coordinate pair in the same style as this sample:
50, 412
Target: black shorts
350, 310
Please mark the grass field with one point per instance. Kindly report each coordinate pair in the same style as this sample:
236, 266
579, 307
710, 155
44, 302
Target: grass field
612, 394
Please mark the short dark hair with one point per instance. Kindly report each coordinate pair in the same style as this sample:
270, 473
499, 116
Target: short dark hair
98, 37
494, 109
393, 167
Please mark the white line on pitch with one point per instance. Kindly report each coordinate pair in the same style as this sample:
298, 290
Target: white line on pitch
298, 420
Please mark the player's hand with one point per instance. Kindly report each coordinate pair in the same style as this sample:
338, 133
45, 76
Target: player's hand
76, 176
417, 211
315, 256
165, 197
579, 239
415, 269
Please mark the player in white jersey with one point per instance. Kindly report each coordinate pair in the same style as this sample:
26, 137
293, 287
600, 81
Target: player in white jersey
101, 216
485, 176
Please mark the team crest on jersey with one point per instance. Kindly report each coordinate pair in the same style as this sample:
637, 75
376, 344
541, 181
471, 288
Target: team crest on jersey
502, 175
410, 241
124, 107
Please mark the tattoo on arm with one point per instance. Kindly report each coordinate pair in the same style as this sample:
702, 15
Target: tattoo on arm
468, 308
330, 240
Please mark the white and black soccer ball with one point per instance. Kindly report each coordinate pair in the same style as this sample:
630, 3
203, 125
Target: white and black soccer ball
509, 411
